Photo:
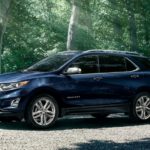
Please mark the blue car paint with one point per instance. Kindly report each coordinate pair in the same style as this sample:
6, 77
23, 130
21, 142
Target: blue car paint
77, 90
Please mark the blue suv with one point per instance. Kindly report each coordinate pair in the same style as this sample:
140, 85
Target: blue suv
95, 82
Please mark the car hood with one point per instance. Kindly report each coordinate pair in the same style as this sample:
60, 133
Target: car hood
20, 76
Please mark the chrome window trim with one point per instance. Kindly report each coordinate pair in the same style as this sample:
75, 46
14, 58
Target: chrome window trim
136, 66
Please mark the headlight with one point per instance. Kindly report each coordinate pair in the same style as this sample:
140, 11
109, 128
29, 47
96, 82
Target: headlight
11, 86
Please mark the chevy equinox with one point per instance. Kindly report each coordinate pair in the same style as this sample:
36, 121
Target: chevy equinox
96, 82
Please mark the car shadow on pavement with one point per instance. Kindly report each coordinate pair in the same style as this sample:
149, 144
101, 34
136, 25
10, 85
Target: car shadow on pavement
75, 122
141, 144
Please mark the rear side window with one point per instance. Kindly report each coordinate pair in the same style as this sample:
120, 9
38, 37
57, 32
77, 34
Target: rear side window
110, 63
145, 62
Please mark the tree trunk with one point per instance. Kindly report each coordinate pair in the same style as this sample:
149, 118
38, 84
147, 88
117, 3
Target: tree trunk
4, 9
88, 24
72, 26
118, 32
146, 27
145, 15
132, 26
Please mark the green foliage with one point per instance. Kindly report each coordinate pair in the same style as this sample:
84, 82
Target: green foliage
31, 33
38, 28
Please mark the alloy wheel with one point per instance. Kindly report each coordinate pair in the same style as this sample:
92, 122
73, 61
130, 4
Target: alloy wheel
43, 111
143, 107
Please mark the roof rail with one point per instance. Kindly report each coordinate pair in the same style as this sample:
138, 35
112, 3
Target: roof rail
69, 52
113, 51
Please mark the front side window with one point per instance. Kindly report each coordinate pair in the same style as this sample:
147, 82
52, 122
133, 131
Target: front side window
87, 64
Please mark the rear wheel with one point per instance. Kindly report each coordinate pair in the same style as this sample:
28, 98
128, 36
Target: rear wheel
42, 112
141, 107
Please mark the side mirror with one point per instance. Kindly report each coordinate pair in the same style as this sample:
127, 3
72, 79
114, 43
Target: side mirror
73, 70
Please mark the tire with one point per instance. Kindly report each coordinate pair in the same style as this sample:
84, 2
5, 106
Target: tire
42, 112
100, 116
140, 110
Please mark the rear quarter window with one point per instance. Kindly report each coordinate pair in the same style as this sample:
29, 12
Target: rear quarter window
145, 62
129, 65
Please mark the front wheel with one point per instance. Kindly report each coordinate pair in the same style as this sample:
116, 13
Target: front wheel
42, 112
141, 107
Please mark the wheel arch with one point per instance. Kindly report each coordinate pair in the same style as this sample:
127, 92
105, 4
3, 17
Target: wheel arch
143, 89
41, 91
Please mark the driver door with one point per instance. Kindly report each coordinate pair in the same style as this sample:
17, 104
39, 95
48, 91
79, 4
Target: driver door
82, 89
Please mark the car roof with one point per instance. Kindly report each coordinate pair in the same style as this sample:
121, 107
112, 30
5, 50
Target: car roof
116, 52
99, 51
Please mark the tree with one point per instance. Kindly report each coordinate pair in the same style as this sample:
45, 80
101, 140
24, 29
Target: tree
117, 23
73, 25
145, 13
132, 25
36, 29
4, 12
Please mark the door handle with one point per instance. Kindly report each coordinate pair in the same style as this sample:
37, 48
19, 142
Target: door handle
135, 76
97, 78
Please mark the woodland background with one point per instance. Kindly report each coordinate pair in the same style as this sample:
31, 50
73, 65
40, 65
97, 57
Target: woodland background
33, 29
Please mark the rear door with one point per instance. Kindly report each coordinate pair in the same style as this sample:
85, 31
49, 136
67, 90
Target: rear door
116, 79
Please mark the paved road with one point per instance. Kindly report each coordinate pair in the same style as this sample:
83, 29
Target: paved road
82, 133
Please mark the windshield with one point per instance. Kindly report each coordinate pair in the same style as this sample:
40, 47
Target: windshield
51, 63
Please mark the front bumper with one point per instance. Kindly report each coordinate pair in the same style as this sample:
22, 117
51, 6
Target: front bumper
6, 107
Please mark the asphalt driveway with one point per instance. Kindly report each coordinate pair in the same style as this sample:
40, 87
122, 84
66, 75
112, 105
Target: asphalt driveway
81, 133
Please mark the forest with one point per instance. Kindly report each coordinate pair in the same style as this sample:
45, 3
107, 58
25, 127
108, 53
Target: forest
34, 29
